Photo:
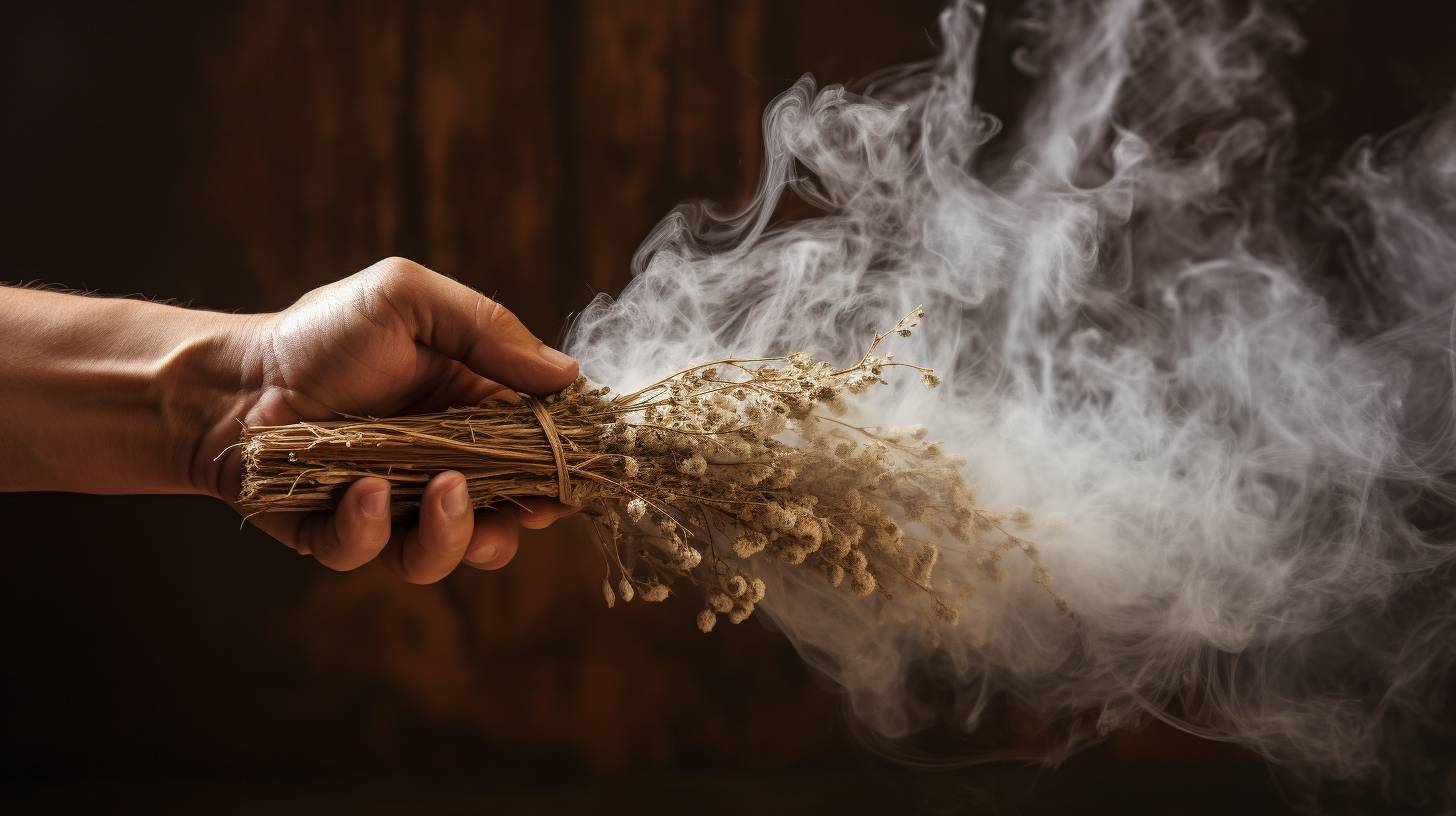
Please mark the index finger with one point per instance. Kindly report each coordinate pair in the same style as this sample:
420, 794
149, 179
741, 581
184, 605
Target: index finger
465, 325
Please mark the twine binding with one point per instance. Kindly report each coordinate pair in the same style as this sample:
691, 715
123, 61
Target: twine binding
553, 438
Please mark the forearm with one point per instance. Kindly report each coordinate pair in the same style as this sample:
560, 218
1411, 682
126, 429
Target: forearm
109, 395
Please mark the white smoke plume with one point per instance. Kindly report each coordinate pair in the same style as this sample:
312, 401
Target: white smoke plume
1222, 388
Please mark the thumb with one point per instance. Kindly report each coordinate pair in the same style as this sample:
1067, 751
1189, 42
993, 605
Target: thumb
463, 324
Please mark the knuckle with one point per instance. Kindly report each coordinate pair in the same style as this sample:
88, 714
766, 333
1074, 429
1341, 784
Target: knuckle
327, 552
327, 555
504, 557
335, 564
490, 315
395, 273
388, 289
421, 578
396, 265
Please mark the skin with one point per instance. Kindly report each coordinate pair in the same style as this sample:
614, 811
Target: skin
102, 395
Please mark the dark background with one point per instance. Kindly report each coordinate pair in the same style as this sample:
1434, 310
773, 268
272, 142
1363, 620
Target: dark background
233, 156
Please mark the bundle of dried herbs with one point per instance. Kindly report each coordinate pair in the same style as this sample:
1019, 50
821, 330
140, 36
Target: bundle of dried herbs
689, 480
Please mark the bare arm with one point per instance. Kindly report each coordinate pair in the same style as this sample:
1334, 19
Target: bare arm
106, 395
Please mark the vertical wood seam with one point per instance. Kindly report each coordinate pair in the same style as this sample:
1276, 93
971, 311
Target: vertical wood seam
566, 48
410, 239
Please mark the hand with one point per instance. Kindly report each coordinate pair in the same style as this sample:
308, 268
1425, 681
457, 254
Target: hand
393, 339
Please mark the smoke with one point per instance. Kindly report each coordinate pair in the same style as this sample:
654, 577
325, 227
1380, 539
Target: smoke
1221, 387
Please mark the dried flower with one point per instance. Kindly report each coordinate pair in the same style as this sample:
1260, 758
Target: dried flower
834, 573
707, 619
924, 563
694, 465
756, 590
749, 544
688, 558
737, 586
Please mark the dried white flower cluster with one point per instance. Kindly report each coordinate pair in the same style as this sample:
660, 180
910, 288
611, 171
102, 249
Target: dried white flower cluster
737, 460
693, 479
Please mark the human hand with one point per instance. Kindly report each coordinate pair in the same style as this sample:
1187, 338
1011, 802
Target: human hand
393, 339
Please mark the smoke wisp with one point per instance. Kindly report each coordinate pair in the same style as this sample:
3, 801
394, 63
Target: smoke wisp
1221, 388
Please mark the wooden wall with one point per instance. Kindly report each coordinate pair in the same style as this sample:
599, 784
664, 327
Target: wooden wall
235, 155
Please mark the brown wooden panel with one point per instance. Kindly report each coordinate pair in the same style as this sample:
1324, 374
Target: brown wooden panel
620, 130
293, 176
491, 175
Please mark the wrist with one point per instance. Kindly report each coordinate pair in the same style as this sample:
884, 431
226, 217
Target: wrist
111, 395
100, 395
203, 388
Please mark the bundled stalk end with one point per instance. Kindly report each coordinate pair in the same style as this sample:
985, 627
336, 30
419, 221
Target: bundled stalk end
691, 480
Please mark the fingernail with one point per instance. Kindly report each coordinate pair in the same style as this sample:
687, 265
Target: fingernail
456, 501
375, 505
484, 555
555, 358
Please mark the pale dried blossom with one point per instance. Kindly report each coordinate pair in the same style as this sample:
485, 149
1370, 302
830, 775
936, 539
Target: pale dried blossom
737, 586
706, 621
